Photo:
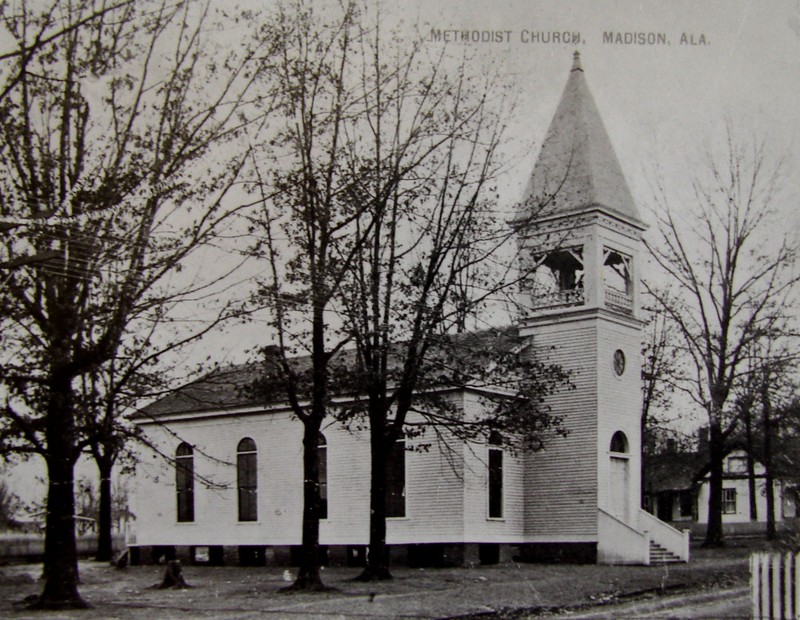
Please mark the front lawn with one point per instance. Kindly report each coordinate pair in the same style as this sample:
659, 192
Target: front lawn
228, 592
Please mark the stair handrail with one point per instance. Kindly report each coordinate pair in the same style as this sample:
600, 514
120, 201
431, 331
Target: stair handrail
642, 538
659, 523
620, 521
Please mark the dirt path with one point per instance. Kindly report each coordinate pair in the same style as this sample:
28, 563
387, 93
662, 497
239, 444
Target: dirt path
730, 604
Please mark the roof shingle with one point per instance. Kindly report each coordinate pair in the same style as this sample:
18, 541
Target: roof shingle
231, 387
577, 168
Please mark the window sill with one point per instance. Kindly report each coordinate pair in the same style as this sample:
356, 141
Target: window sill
499, 519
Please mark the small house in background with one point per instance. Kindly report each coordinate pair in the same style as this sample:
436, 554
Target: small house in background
676, 490
670, 486
736, 500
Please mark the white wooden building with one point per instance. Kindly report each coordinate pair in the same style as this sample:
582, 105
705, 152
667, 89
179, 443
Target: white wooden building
678, 487
578, 500
736, 497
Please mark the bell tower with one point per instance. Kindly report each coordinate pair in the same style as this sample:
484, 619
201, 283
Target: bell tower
578, 225
580, 236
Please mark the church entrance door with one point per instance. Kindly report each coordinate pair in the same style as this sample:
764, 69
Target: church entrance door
618, 489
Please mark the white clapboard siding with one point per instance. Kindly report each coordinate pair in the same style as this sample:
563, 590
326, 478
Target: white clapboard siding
478, 527
561, 481
348, 487
279, 497
619, 409
434, 486
434, 495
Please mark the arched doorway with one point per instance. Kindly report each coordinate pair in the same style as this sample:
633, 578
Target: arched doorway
618, 483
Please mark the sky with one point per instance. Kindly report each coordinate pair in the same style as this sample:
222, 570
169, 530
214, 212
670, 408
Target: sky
710, 61
666, 76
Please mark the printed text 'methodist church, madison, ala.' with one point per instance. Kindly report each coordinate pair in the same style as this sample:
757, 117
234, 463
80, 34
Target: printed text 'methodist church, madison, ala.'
577, 500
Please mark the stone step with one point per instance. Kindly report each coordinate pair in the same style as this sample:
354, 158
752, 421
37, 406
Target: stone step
660, 555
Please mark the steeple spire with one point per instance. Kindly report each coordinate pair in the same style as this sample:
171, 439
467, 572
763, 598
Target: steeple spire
577, 169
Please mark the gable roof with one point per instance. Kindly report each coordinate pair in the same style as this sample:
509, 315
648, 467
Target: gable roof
673, 471
577, 169
677, 471
223, 388
230, 387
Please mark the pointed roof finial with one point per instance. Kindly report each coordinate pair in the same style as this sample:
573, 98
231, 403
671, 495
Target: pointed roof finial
576, 61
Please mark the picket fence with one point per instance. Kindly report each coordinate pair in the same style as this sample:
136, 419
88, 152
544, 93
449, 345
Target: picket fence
775, 586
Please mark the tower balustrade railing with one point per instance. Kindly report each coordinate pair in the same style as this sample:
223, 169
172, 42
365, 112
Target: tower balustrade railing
558, 299
617, 300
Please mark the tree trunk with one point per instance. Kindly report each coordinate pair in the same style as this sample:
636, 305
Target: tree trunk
769, 481
716, 449
642, 450
768, 477
751, 465
751, 487
378, 555
60, 549
309, 578
105, 550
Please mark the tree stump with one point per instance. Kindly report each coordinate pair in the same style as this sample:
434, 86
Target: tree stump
173, 576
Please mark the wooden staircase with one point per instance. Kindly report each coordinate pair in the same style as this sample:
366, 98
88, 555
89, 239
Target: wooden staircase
659, 555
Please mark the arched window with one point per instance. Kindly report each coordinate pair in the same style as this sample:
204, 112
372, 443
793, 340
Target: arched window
322, 456
619, 443
184, 482
247, 479
495, 476
396, 480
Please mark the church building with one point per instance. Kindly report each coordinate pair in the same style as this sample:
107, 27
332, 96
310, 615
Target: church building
233, 491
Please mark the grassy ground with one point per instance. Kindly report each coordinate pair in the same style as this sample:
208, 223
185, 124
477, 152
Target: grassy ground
490, 591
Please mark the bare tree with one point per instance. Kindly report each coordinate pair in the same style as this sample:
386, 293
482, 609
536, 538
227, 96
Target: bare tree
106, 395
734, 276
103, 423
108, 164
659, 371
744, 403
382, 229
765, 395
45, 29
137, 372
423, 162
307, 229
